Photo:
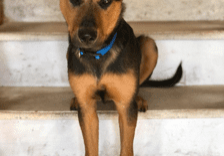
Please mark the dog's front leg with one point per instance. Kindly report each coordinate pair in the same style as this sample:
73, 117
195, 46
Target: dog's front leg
121, 88
127, 122
89, 124
84, 87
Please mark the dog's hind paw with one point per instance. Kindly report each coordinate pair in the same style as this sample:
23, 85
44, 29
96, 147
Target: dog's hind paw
142, 104
74, 104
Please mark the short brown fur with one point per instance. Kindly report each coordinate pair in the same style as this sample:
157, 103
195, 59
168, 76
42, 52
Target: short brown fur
120, 87
72, 15
149, 57
84, 87
108, 19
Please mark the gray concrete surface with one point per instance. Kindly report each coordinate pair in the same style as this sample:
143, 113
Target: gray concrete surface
181, 121
137, 10
33, 54
190, 30
177, 102
166, 137
35, 63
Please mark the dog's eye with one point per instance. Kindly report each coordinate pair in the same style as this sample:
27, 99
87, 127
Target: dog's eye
105, 3
75, 2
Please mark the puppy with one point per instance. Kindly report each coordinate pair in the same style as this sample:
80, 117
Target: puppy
106, 61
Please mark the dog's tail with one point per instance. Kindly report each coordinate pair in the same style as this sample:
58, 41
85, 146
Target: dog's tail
165, 83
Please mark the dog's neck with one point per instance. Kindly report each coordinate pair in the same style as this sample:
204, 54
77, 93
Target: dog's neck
100, 52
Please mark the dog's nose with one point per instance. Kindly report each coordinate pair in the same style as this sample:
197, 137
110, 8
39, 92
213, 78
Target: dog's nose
87, 35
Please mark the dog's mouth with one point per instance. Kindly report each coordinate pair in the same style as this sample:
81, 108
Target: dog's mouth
86, 50
98, 53
89, 40
88, 45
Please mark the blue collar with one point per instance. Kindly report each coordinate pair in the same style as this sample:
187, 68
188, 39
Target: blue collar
104, 50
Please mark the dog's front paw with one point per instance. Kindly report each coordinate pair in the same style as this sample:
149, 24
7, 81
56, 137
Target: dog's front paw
142, 104
74, 104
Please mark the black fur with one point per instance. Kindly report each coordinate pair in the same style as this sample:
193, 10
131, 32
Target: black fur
76, 2
105, 5
88, 21
165, 83
132, 111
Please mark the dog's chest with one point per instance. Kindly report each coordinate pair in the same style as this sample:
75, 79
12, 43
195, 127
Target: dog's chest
100, 67
111, 63
110, 86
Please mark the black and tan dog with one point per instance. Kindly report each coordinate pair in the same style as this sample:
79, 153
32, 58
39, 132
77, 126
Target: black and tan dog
106, 61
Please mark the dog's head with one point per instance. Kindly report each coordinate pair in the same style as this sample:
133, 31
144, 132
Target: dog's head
90, 22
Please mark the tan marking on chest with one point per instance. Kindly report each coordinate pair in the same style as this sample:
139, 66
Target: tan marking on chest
114, 53
84, 87
120, 88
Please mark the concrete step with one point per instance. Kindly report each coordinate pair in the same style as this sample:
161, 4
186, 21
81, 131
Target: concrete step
174, 101
144, 10
180, 121
164, 30
33, 54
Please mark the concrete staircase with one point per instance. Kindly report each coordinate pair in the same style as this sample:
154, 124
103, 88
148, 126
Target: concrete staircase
186, 120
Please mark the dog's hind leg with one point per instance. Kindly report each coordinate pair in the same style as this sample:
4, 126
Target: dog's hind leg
149, 57
142, 104
74, 104
149, 52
